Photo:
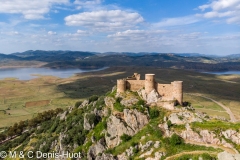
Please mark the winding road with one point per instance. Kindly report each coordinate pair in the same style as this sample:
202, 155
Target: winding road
229, 112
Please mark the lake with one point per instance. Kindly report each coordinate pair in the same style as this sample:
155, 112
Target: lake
30, 73
224, 72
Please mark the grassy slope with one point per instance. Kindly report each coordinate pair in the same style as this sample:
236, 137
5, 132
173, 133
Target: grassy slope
65, 92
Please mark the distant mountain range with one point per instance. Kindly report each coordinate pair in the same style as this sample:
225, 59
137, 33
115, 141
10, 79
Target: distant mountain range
85, 59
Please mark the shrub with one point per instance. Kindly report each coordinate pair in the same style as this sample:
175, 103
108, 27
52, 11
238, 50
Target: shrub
154, 113
93, 98
125, 137
176, 140
141, 102
118, 106
78, 103
92, 118
169, 123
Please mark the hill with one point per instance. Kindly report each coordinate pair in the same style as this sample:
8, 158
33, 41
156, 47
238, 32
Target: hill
123, 126
80, 59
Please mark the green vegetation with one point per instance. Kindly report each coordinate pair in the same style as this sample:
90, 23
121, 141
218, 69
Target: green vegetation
77, 104
212, 125
176, 140
118, 106
154, 113
204, 156
125, 138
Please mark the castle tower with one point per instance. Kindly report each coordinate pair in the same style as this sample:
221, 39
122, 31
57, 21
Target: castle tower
137, 76
177, 91
121, 85
149, 82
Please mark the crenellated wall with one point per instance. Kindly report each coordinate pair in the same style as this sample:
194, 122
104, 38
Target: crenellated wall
168, 92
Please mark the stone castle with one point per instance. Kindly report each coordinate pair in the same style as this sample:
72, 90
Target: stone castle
167, 92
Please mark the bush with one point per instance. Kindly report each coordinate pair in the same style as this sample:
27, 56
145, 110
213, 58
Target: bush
141, 102
169, 123
118, 106
176, 140
78, 103
154, 113
92, 118
125, 137
93, 98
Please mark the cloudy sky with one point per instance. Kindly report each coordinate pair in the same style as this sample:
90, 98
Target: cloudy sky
196, 26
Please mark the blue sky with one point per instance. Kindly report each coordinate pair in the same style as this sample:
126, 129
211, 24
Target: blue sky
166, 26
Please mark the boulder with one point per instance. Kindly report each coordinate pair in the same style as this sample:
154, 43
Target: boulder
232, 135
184, 117
209, 137
134, 119
96, 149
115, 129
105, 156
84, 104
128, 102
157, 156
63, 115
152, 97
86, 123
228, 156
109, 102
142, 94
132, 122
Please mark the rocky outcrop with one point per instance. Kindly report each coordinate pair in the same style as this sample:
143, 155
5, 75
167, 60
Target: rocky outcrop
135, 119
115, 128
105, 157
228, 156
109, 102
131, 123
153, 97
63, 115
86, 123
128, 102
204, 136
209, 137
142, 94
232, 135
84, 104
157, 156
145, 146
184, 117
96, 149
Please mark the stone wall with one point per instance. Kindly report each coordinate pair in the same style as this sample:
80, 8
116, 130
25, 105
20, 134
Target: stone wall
168, 92
165, 91
135, 85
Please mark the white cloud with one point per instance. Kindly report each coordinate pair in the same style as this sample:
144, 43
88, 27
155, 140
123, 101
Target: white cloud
77, 34
52, 33
177, 21
228, 9
105, 20
93, 5
30, 9
137, 34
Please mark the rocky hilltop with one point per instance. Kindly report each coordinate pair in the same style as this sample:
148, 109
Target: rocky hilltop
127, 126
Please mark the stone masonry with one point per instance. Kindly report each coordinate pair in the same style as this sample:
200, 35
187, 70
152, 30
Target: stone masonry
167, 92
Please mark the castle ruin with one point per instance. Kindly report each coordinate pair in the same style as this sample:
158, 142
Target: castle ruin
167, 92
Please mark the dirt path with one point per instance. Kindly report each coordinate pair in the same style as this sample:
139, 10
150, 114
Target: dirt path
232, 117
189, 152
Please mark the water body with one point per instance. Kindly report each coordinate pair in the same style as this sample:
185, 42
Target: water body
30, 73
223, 73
